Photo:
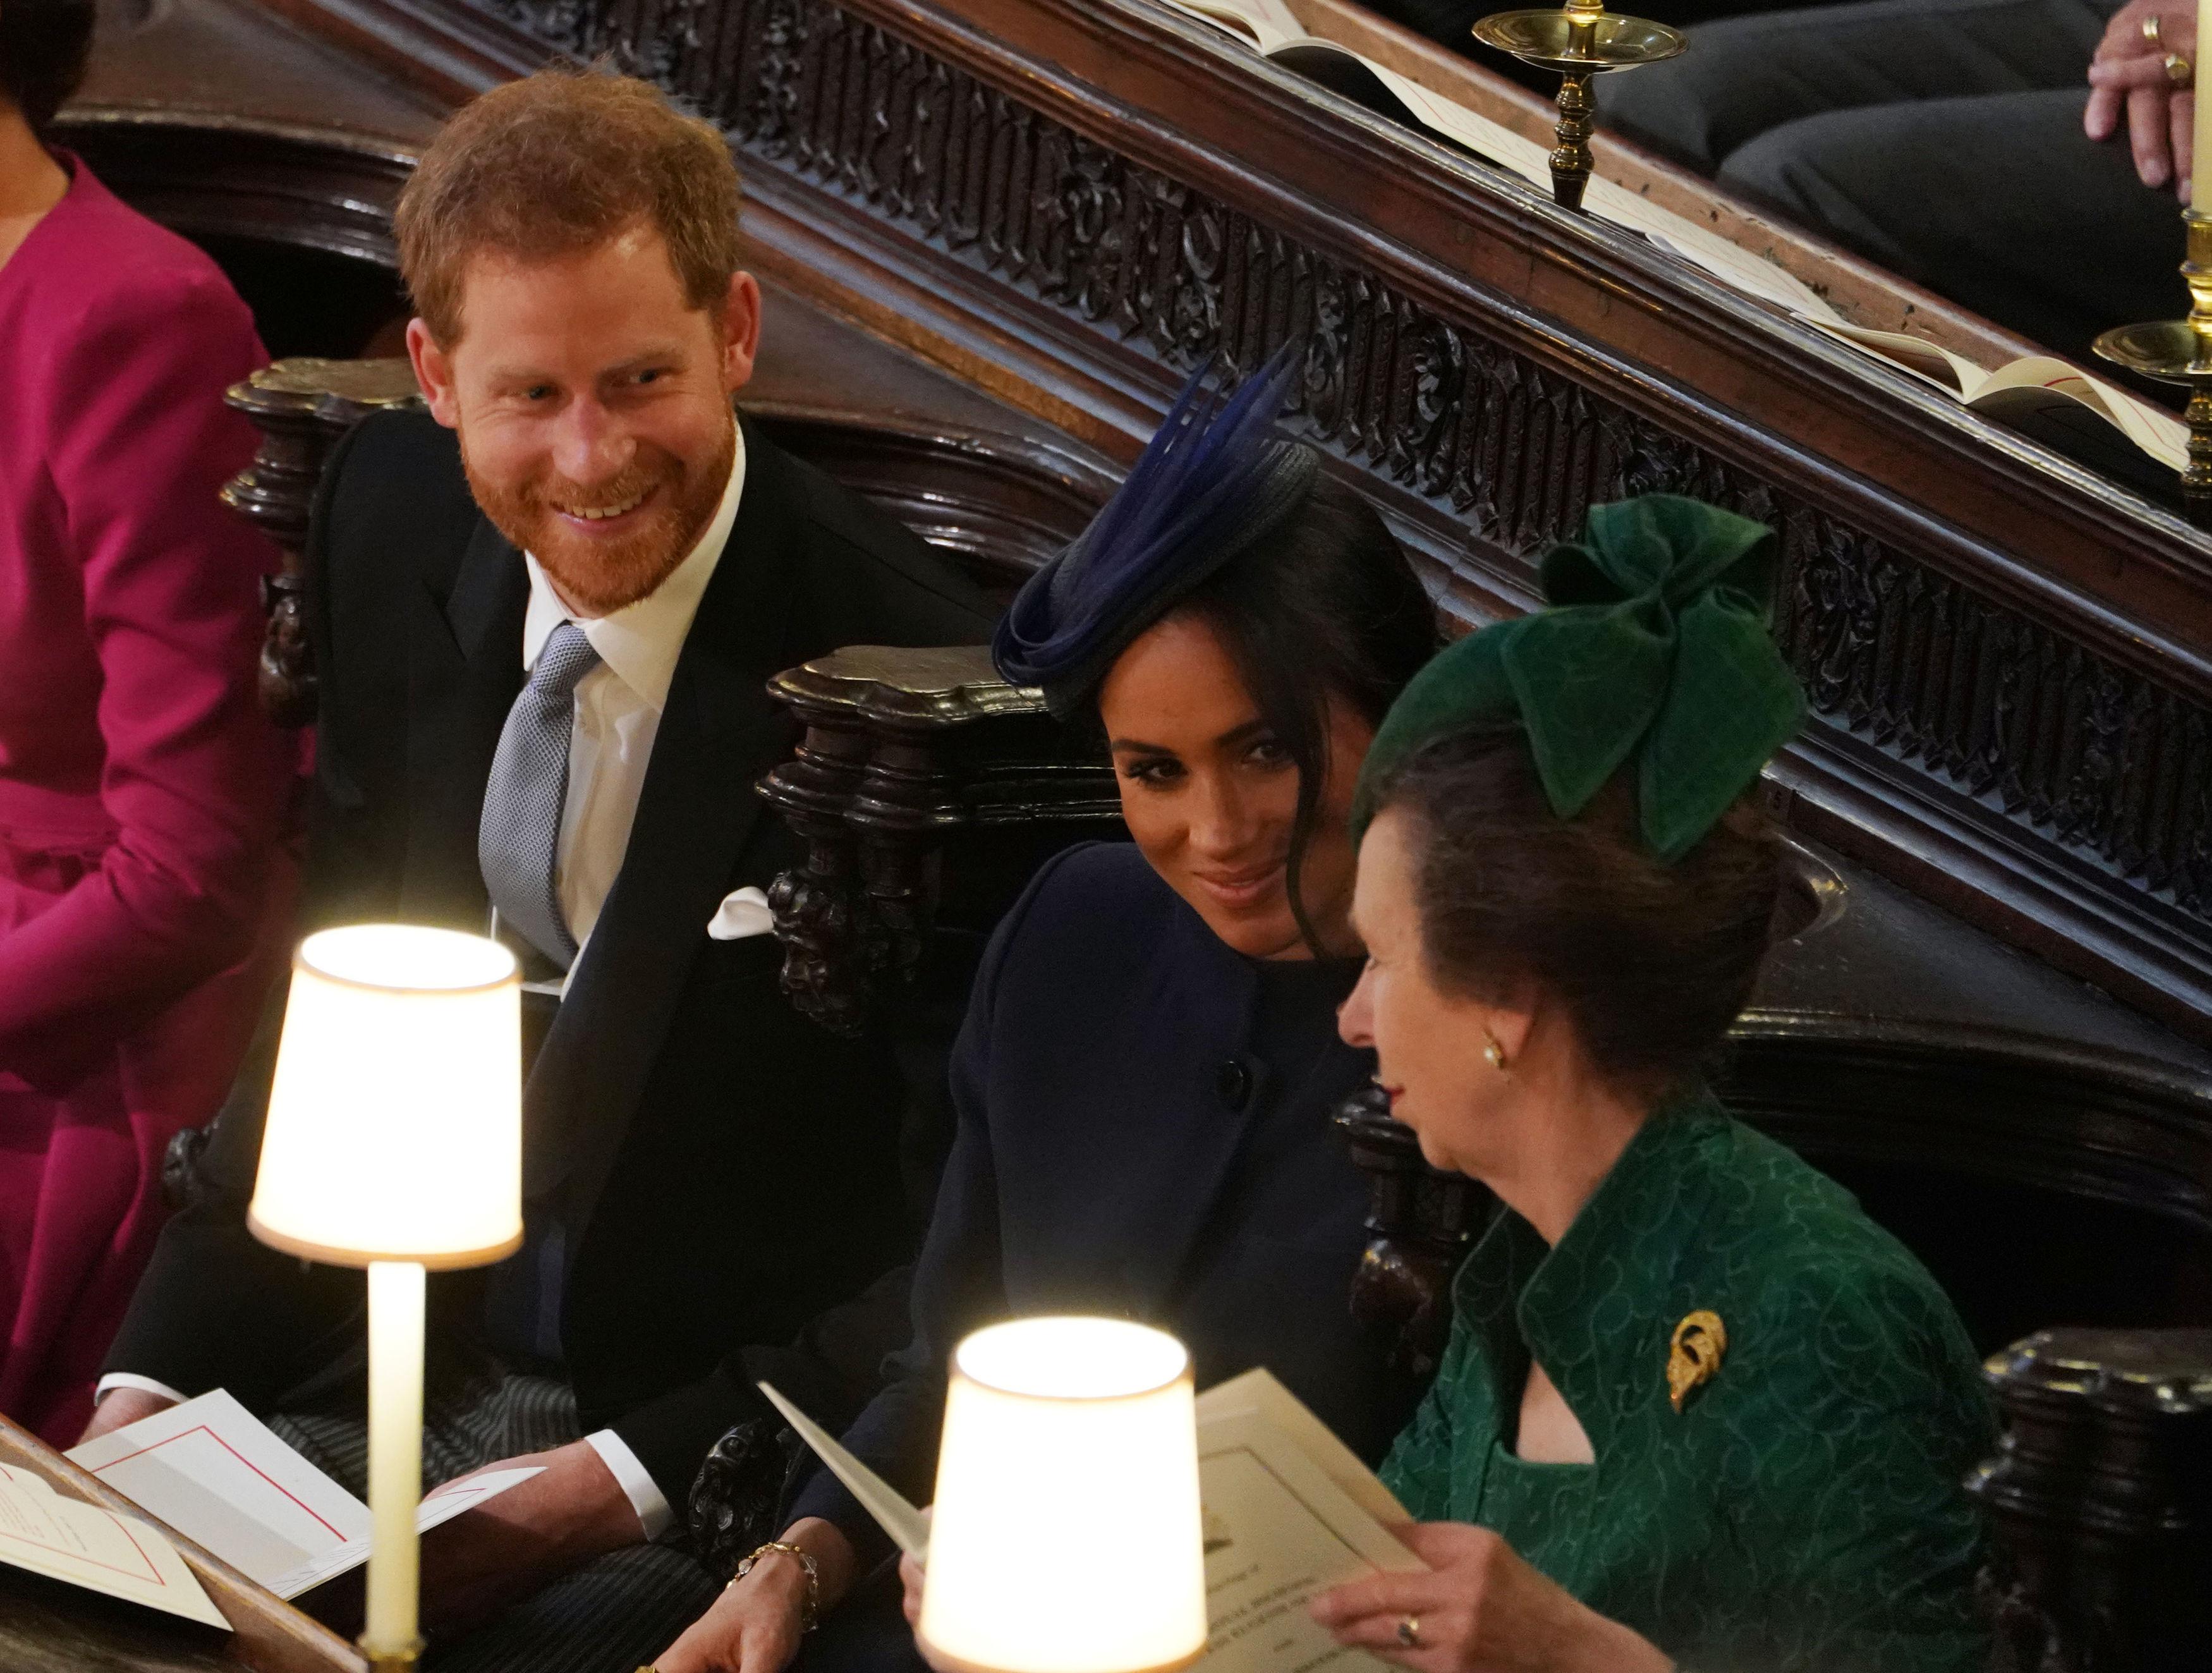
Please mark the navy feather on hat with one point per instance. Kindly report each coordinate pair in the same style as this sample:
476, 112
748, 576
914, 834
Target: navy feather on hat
1217, 476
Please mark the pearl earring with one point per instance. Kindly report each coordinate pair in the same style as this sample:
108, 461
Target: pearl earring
1493, 1051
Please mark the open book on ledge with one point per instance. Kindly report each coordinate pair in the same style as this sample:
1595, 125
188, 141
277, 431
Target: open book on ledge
1289, 1511
2048, 400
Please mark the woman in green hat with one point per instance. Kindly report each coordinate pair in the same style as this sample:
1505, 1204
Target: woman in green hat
1697, 1408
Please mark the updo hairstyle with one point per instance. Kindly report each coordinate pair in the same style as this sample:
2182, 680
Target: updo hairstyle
43, 48
1328, 607
1651, 961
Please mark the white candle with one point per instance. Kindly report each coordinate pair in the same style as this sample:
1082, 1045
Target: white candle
395, 1453
2200, 167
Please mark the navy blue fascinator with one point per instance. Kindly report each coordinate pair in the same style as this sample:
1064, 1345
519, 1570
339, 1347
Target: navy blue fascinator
1217, 477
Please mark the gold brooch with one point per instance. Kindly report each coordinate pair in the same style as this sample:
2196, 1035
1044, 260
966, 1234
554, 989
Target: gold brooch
1693, 1357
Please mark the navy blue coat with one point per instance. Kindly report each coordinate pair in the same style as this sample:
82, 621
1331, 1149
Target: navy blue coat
1135, 1139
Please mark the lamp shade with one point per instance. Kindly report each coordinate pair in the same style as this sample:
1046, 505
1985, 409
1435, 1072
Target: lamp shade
395, 1118
1066, 1537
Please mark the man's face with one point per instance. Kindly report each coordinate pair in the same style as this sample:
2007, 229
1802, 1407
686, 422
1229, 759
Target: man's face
593, 408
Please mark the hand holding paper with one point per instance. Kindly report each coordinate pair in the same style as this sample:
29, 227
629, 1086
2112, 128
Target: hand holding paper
1289, 1511
905, 1524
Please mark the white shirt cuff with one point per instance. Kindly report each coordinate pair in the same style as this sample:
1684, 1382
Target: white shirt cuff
646, 1499
131, 1379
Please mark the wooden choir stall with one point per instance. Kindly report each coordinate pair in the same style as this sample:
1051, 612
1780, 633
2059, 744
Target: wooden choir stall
996, 235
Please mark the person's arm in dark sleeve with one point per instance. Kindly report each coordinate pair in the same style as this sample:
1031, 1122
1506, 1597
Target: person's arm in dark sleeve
959, 1281
837, 1363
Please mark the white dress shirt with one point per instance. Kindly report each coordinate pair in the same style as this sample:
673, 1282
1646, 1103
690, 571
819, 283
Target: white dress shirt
619, 708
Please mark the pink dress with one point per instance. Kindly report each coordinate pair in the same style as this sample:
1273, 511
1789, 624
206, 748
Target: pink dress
144, 800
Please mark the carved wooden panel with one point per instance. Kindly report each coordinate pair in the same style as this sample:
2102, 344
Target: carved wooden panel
2040, 743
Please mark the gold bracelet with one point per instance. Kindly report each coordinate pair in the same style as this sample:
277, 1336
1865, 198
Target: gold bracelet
811, 1616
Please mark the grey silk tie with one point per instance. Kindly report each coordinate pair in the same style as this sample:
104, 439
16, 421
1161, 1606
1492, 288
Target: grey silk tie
522, 826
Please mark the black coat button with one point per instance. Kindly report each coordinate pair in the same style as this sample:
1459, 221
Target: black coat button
1232, 1084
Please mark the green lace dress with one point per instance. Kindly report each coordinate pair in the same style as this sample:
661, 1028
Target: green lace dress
1804, 1509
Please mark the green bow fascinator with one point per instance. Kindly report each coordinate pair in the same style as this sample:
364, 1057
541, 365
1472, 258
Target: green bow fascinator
1655, 644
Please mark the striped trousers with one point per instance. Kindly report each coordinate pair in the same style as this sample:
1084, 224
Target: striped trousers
609, 1616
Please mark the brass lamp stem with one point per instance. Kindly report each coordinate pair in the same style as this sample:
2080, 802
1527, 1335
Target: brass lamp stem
2196, 274
1577, 40
2180, 351
1571, 162
2196, 271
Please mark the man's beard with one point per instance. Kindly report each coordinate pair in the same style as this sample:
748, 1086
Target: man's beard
596, 576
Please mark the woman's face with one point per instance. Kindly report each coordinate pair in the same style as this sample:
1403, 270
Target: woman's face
1428, 1043
1211, 795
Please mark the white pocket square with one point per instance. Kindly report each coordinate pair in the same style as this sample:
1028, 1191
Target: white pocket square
743, 912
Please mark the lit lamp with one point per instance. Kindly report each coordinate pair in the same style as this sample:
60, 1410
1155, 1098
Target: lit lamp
1066, 1537
394, 1141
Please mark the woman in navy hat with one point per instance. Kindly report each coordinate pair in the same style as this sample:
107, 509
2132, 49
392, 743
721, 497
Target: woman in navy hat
1145, 1078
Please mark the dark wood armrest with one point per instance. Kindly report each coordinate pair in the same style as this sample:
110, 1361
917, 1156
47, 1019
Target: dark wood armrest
896, 758
301, 407
2100, 1498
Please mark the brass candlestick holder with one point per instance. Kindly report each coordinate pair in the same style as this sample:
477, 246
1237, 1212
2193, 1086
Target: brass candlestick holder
1578, 40
2180, 351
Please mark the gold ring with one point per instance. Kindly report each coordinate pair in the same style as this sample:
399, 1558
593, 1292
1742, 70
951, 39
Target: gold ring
2178, 70
1409, 1631
2150, 33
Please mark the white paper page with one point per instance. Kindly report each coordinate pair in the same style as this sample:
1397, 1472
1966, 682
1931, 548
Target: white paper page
1481, 136
2159, 434
1272, 26
1731, 264
441, 1505
213, 1471
1278, 1533
120, 1556
1953, 373
1258, 1392
878, 1496
218, 1474
1267, 23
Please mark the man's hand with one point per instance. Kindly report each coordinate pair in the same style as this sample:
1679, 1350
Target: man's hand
1478, 1608
910, 1577
2128, 75
120, 1405
755, 1626
492, 1556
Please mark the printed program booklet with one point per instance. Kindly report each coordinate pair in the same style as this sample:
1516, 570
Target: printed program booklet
1289, 1511
216, 1474
66, 1539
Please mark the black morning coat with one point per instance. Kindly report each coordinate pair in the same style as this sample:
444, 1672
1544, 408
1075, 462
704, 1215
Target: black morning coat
727, 1169
1134, 1140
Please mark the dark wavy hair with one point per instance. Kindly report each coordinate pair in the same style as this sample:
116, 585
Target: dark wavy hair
1328, 606
1652, 961
43, 48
